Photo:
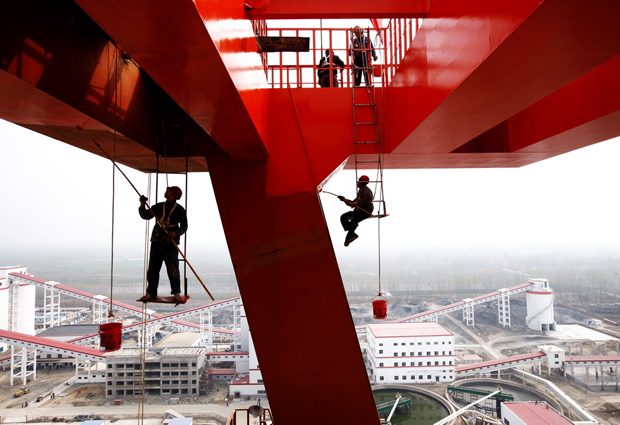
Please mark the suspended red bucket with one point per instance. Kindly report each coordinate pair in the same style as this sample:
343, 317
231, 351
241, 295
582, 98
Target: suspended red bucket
379, 307
377, 70
110, 335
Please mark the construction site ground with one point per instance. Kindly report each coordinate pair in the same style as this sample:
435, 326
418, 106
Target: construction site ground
86, 399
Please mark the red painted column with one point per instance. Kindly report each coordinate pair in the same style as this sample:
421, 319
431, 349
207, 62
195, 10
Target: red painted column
288, 276
292, 291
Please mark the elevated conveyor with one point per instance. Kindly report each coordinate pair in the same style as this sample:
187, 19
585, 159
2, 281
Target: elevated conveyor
500, 364
50, 346
155, 318
432, 315
491, 296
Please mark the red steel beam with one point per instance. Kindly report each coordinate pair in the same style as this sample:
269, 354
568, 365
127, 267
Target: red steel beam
475, 64
203, 54
58, 71
584, 112
342, 9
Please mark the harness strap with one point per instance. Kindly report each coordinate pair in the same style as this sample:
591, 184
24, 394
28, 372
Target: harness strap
166, 223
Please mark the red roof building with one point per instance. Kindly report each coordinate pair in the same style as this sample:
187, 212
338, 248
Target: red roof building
532, 413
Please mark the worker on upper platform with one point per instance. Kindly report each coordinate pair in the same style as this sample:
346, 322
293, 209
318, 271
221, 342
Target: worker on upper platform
361, 50
363, 207
327, 62
173, 219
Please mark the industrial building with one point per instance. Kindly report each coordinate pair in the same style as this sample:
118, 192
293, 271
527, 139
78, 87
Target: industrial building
531, 413
248, 379
170, 371
410, 353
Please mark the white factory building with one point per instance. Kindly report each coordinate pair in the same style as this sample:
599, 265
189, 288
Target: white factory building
415, 352
248, 379
17, 303
539, 300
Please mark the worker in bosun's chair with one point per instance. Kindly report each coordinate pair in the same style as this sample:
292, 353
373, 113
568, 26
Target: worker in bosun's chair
363, 207
174, 219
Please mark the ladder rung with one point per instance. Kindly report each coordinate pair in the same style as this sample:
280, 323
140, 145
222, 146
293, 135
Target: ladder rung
365, 162
365, 143
363, 104
365, 123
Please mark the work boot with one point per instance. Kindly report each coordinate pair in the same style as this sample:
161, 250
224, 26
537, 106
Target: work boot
350, 238
178, 298
148, 297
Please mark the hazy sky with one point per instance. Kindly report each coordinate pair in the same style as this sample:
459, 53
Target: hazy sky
58, 196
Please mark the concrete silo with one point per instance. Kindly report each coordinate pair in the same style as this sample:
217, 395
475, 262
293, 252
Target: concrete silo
540, 306
17, 303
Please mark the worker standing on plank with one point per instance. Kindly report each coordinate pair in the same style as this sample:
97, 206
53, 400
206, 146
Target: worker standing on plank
173, 218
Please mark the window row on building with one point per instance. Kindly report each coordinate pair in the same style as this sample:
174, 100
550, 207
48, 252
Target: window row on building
435, 363
420, 353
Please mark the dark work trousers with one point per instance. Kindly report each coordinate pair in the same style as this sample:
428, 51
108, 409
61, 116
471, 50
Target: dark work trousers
351, 219
160, 253
357, 77
360, 68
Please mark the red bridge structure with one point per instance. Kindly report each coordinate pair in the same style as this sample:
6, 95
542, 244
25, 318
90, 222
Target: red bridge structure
465, 84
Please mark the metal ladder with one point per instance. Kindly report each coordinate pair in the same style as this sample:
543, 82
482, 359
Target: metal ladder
366, 127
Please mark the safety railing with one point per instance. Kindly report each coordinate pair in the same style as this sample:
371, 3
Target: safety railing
399, 35
252, 415
299, 69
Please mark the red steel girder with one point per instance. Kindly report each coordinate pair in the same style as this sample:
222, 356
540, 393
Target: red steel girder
475, 64
340, 9
203, 54
58, 71
584, 112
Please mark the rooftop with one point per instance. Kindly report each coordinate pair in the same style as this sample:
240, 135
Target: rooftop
70, 330
390, 330
536, 413
178, 339
471, 358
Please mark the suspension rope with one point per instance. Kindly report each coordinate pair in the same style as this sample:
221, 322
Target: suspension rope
163, 137
144, 315
141, 400
186, 204
381, 149
110, 312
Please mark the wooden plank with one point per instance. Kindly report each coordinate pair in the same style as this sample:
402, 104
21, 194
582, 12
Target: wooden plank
283, 44
167, 300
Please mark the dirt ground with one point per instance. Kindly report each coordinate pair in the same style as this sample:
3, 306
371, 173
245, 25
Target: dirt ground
44, 384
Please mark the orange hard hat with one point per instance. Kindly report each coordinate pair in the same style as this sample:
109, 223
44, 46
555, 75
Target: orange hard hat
363, 179
177, 190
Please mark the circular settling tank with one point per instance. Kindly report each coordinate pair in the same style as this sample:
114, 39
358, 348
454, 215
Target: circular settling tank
425, 408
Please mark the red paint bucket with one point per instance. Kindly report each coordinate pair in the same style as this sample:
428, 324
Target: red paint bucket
110, 336
377, 70
379, 308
